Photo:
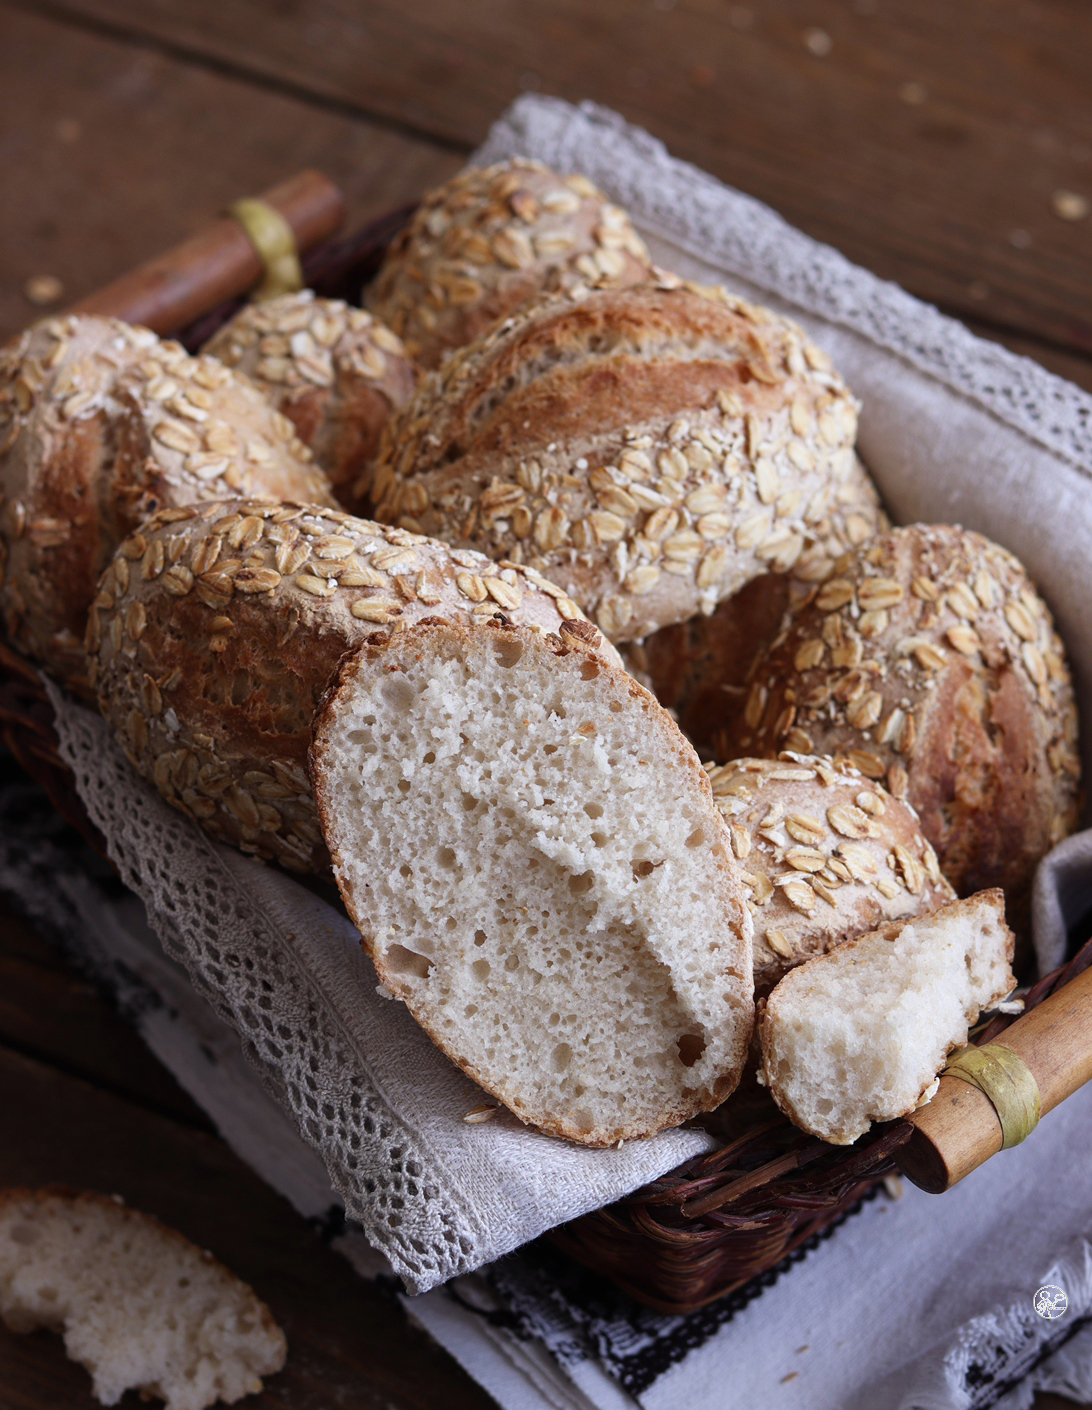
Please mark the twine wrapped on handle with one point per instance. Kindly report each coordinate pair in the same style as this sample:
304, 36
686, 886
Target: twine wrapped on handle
1034, 1063
256, 242
1008, 1082
273, 239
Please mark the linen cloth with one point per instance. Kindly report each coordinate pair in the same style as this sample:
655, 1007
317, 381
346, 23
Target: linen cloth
953, 429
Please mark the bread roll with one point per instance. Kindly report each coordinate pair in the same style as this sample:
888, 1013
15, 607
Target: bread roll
858, 1035
530, 851
216, 630
699, 668
652, 448
827, 854
489, 240
101, 424
336, 372
140, 1307
931, 661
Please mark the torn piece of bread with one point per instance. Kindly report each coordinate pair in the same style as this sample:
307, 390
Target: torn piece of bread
826, 854
530, 850
857, 1035
138, 1305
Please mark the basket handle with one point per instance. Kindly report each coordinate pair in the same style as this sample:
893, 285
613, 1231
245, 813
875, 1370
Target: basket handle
219, 262
960, 1127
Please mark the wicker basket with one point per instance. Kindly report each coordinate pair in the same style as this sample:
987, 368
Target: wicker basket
716, 1221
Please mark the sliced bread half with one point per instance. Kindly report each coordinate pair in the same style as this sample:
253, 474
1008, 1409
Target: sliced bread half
857, 1035
530, 850
140, 1306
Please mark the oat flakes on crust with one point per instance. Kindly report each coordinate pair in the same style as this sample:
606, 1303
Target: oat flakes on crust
333, 370
490, 239
216, 629
652, 448
699, 668
826, 854
930, 661
100, 424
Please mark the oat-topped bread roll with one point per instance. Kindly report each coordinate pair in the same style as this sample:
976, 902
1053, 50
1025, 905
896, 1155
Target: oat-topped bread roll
699, 668
651, 448
101, 424
530, 850
489, 240
336, 372
859, 1035
827, 854
931, 661
138, 1305
216, 630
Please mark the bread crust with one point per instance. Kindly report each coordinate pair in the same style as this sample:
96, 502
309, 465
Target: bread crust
930, 661
571, 646
101, 424
826, 853
334, 371
489, 240
653, 448
216, 629
699, 668
767, 1011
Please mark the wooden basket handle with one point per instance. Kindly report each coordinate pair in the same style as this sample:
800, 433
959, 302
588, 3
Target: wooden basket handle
959, 1128
219, 262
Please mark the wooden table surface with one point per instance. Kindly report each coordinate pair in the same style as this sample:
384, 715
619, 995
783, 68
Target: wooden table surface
948, 147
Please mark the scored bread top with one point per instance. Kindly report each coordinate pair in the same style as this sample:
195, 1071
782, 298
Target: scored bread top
859, 1034
101, 424
826, 854
529, 848
140, 1306
216, 629
336, 372
491, 238
930, 659
699, 668
652, 448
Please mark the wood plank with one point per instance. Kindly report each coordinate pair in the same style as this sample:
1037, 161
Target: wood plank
924, 140
113, 153
47, 1011
349, 1345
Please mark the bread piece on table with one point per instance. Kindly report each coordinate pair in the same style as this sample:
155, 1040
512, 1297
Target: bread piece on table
139, 1306
930, 660
826, 854
100, 424
490, 239
699, 668
336, 372
651, 448
858, 1035
216, 630
530, 851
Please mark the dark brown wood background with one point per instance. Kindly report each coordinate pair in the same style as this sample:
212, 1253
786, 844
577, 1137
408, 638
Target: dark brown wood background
946, 146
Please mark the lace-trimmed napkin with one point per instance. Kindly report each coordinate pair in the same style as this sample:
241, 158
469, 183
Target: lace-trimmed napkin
953, 429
